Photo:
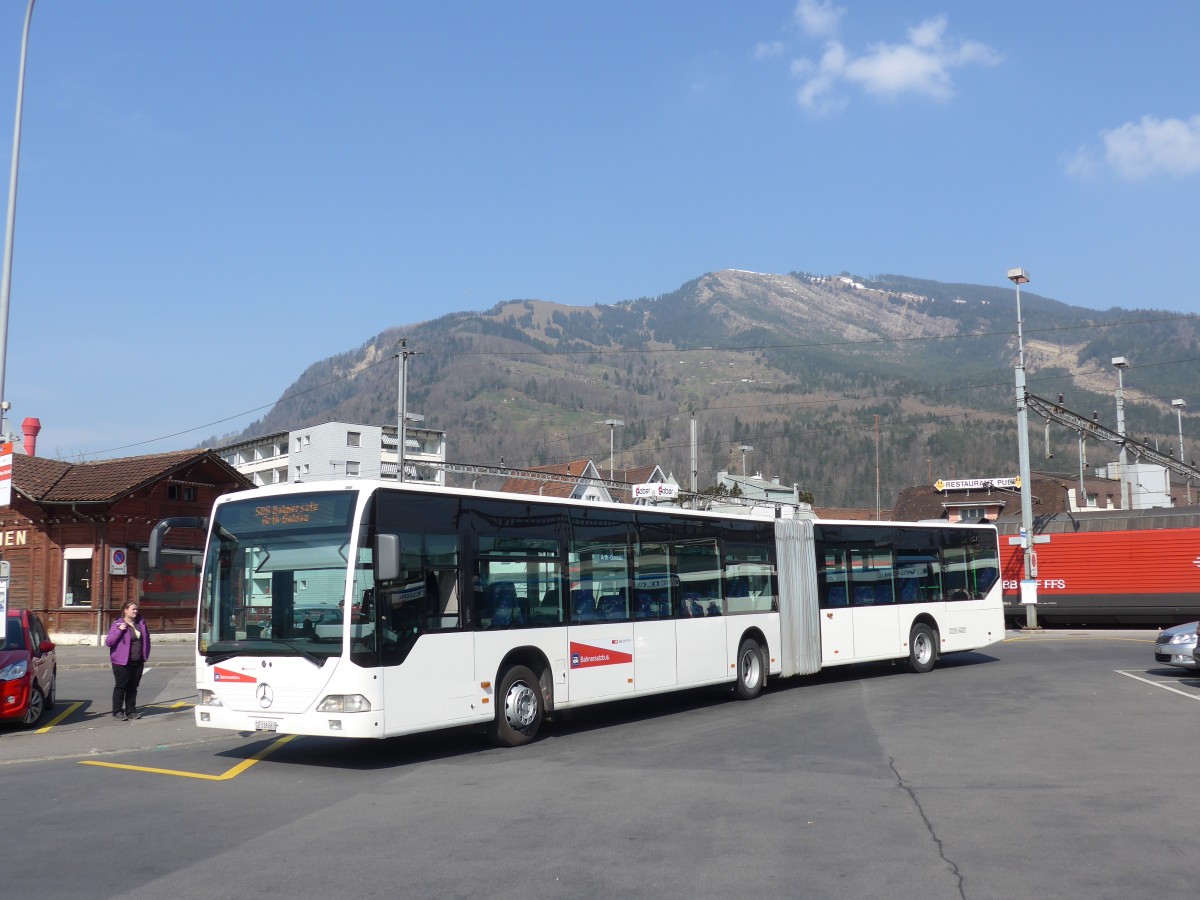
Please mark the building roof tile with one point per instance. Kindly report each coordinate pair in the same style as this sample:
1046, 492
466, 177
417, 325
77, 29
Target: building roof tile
54, 481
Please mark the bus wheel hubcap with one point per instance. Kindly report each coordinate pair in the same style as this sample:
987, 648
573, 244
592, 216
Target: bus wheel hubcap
750, 664
520, 707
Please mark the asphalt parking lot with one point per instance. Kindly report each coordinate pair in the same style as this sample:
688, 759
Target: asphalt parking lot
1053, 765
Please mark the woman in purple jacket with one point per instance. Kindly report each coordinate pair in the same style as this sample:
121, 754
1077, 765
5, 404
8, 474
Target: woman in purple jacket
128, 649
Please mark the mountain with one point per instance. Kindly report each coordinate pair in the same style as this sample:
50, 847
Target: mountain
818, 374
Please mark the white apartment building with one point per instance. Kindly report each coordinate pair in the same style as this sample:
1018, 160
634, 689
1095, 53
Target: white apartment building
340, 450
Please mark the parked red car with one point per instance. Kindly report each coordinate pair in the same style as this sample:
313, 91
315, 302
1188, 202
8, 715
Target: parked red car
28, 669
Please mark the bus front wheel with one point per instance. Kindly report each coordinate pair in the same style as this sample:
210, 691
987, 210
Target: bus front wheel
519, 708
922, 648
751, 671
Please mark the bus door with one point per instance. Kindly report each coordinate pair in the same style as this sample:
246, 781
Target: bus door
873, 601
701, 645
654, 620
600, 631
427, 658
837, 618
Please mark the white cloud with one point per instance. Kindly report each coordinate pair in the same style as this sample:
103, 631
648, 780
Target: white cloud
922, 65
1154, 147
768, 49
1080, 164
819, 18
817, 92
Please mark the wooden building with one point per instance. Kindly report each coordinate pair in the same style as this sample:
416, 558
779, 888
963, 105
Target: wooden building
75, 536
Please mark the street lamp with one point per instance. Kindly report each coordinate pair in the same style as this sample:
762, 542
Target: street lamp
612, 443
1121, 365
402, 354
11, 222
1019, 277
1179, 405
745, 448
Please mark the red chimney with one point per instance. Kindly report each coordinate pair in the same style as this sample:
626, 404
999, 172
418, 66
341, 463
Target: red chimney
30, 427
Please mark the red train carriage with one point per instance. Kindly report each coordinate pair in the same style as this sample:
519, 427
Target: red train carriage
1111, 567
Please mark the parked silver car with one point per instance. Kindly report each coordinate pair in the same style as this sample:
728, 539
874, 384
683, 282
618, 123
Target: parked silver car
1176, 646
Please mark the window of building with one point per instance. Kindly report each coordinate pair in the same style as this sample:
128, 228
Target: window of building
184, 492
77, 576
353, 439
351, 469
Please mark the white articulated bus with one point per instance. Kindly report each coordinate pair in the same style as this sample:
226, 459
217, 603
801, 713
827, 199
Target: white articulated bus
372, 609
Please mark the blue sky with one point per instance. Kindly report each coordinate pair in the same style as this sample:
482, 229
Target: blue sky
214, 195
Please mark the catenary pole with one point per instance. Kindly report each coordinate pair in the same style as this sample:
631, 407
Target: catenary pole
11, 220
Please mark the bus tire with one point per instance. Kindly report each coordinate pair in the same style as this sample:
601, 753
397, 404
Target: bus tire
519, 708
922, 648
751, 670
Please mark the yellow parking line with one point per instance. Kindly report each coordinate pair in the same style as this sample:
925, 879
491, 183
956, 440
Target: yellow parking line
75, 706
225, 776
62, 715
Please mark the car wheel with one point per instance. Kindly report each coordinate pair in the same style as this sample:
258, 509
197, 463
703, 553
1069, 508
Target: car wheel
37, 706
922, 648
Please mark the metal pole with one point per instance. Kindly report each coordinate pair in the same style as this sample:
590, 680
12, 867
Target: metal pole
877, 468
11, 222
1179, 405
402, 404
612, 443
695, 472
1019, 277
1082, 501
1126, 495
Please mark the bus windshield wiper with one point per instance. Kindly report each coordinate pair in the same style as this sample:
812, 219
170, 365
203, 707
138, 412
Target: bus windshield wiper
216, 656
311, 657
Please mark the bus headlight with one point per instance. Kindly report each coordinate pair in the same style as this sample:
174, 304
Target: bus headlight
344, 703
209, 698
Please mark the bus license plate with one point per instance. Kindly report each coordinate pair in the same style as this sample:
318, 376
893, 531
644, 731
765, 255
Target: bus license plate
265, 725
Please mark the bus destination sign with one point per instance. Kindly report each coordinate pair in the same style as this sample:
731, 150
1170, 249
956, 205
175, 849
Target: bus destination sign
282, 513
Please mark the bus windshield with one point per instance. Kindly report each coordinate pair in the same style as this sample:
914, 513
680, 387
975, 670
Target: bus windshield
275, 577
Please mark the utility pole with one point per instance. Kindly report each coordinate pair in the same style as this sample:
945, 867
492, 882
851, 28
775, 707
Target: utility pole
11, 222
877, 511
1179, 405
1029, 583
695, 470
402, 354
1121, 365
612, 443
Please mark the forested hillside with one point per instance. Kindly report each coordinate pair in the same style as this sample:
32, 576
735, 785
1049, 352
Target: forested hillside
817, 374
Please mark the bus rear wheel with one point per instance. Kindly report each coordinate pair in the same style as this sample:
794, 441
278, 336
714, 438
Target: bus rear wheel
922, 648
519, 708
751, 670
